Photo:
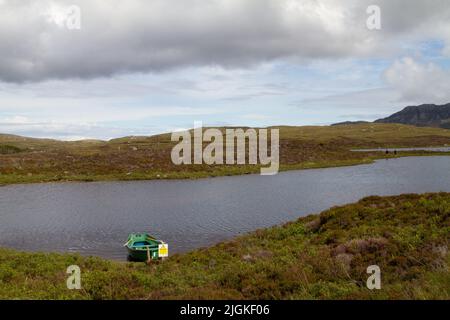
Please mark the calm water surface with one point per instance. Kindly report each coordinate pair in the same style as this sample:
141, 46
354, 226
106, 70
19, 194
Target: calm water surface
434, 149
95, 218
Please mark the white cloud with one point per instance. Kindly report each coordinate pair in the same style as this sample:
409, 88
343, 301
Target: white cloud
446, 50
419, 82
69, 131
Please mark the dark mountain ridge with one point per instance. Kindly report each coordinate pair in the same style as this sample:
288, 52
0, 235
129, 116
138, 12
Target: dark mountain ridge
425, 115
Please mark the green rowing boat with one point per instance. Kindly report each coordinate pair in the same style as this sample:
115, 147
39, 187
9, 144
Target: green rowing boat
143, 247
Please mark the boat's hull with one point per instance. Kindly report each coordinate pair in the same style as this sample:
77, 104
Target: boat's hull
142, 255
143, 247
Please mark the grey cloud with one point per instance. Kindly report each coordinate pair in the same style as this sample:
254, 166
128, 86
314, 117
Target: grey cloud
119, 37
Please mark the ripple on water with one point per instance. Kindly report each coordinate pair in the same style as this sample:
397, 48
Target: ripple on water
96, 218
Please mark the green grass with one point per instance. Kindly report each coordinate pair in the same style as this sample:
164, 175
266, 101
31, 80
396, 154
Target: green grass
27, 160
317, 257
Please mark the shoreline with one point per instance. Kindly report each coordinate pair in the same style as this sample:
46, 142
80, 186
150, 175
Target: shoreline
13, 179
320, 256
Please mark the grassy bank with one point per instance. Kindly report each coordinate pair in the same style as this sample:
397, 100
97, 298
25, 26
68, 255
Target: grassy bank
27, 160
317, 257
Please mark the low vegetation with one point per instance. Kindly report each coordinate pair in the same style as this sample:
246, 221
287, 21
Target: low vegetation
24, 160
7, 149
317, 257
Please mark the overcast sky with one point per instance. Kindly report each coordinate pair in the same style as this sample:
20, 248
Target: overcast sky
140, 67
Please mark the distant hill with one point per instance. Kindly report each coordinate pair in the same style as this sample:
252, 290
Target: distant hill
426, 115
26, 160
346, 123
